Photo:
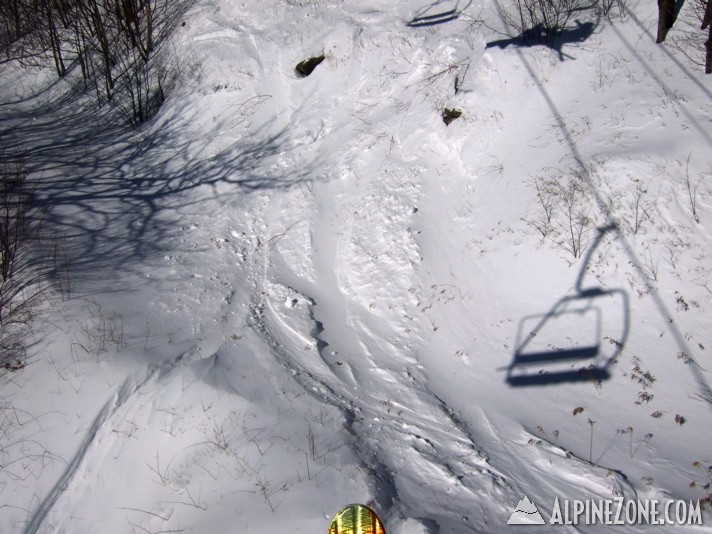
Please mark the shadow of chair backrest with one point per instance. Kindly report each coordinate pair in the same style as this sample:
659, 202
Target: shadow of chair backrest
424, 17
573, 341
570, 343
540, 35
432, 20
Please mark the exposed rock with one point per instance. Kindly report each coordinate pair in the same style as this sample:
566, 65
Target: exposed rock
450, 115
306, 67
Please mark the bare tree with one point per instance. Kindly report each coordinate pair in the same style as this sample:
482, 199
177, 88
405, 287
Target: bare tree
546, 194
141, 86
541, 20
13, 17
113, 42
693, 36
707, 25
563, 212
19, 275
666, 18
136, 22
577, 223
51, 33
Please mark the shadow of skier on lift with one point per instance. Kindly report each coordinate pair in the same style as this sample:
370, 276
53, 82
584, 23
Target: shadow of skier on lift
540, 35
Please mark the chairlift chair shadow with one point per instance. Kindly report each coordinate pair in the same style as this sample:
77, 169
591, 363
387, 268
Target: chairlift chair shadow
540, 357
424, 18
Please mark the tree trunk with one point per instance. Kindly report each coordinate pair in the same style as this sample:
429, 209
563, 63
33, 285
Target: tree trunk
707, 25
666, 18
55, 42
15, 8
98, 28
149, 27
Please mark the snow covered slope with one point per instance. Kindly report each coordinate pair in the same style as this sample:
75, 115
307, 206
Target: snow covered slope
296, 293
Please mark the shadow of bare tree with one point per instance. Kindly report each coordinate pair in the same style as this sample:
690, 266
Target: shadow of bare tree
114, 196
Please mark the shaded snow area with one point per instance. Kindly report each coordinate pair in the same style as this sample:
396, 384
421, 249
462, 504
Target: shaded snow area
294, 293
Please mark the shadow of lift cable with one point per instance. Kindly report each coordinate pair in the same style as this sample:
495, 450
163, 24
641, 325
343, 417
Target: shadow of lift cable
539, 361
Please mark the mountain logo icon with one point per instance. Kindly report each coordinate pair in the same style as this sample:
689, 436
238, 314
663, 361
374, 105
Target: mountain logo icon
526, 513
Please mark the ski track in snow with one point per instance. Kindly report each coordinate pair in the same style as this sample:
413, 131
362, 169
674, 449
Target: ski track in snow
120, 400
353, 381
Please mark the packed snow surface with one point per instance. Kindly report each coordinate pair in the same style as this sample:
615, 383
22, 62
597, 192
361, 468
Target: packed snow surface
294, 293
